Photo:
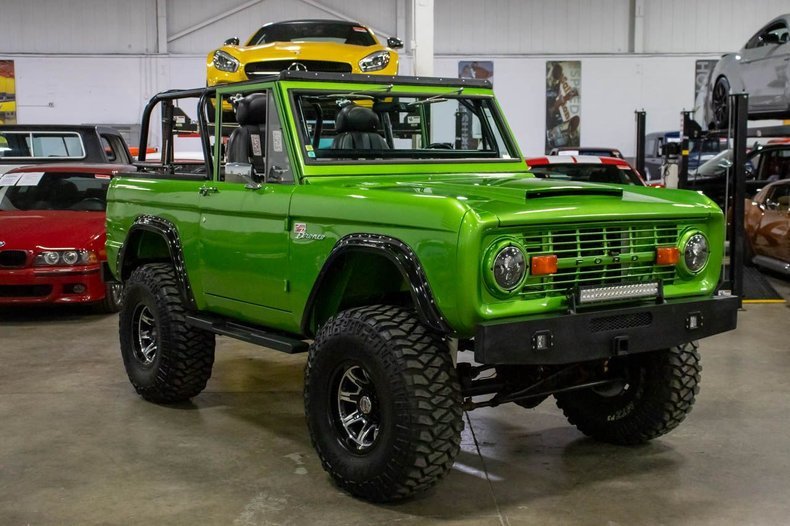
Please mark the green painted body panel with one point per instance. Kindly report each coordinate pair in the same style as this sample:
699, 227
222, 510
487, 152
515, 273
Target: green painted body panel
244, 260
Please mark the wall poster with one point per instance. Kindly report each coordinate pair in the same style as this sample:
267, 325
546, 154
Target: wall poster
7, 92
467, 131
702, 72
563, 103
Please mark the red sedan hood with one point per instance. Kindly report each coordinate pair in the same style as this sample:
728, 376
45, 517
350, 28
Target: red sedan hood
52, 229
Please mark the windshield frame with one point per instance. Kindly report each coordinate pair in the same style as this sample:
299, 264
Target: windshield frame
448, 92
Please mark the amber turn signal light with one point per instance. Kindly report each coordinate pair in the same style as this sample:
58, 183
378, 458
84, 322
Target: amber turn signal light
543, 265
667, 255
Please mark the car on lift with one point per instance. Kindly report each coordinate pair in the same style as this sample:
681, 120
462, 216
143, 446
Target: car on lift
586, 168
310, 45
602, 151
24, 144
52, 236
764, 164
767, 227
761, 69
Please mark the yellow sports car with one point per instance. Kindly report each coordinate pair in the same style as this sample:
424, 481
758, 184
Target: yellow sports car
311, 45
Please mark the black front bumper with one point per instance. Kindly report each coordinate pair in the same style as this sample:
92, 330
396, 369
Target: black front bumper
599, 334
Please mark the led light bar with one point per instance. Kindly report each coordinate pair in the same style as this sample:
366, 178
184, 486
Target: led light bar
619, 292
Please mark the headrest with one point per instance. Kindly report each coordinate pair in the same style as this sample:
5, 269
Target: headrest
251, 109
353, 118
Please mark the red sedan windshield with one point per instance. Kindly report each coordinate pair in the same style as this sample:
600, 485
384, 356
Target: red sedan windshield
54, 191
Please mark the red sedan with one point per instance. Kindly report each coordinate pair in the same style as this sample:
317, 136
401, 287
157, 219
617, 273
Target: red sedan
586, 168
52, 235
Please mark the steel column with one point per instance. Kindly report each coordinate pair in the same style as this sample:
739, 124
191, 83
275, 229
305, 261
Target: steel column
641, 116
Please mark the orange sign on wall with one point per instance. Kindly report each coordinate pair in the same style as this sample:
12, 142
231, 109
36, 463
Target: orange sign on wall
7, 92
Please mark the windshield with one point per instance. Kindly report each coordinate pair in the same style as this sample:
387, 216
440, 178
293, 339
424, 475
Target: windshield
53, 191
339, 32
591, 173
31, 145
377, 125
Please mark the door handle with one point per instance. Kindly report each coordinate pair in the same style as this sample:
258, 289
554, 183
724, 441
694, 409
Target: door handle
205, 190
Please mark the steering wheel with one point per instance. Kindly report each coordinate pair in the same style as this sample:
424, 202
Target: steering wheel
440, 146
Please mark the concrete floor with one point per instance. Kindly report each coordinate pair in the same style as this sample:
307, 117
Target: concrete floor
77, 446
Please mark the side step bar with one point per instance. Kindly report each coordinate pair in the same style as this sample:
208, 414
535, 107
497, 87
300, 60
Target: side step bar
246, 333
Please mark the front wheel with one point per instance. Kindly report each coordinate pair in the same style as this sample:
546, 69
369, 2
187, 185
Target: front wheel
720, 104
113, 295
383, 403
166, 360
652, 394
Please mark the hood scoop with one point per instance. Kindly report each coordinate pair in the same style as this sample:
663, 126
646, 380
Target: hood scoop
564, 191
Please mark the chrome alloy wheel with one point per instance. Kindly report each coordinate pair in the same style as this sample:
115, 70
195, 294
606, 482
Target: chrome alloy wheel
145, 334
356, 410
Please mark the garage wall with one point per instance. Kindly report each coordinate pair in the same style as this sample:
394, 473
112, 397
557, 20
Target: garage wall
228, 18
677, 26
77, 26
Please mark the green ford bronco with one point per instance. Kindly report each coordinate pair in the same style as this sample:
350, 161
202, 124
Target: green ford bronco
389, 227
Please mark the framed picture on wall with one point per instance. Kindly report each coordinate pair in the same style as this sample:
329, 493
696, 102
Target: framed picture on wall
563, 103
7, 92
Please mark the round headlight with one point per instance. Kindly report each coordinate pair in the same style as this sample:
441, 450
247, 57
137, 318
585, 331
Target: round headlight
695, 253
70, 257
509, 267
51, 258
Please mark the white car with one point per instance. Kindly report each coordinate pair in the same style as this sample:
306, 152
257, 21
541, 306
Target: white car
761, 68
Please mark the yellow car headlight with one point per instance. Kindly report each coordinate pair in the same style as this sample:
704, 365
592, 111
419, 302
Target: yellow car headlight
225, 61
375, 61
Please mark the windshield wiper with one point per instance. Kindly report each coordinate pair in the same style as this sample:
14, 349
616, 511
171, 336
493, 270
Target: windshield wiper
369, 94
439, 97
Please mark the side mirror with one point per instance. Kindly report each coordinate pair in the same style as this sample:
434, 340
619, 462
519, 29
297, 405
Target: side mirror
232, 41
394, 42
241, 173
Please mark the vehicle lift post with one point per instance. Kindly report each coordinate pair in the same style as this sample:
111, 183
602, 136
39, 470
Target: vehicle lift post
739, 103
685, 132
640, 142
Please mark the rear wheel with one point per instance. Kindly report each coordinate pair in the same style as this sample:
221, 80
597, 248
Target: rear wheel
166, 360
383, 403
653, 394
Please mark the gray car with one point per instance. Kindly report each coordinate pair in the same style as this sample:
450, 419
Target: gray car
760, 68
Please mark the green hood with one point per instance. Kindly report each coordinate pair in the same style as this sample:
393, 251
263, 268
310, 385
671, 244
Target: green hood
517, 199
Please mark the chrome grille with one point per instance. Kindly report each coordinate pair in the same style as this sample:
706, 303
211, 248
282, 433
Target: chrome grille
603, 254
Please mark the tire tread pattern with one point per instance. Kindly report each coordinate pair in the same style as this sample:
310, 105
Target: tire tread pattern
672, 383
421, 359
187, 354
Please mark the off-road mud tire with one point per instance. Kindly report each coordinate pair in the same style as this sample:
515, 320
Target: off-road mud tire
417, 398
662, 386
182, 362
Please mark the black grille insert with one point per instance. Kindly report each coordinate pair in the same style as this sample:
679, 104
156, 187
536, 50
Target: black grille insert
624, 321
13, 258
275, 66
25, 291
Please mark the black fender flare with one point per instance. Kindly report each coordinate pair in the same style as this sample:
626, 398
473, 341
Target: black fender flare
406, 261
169, 234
